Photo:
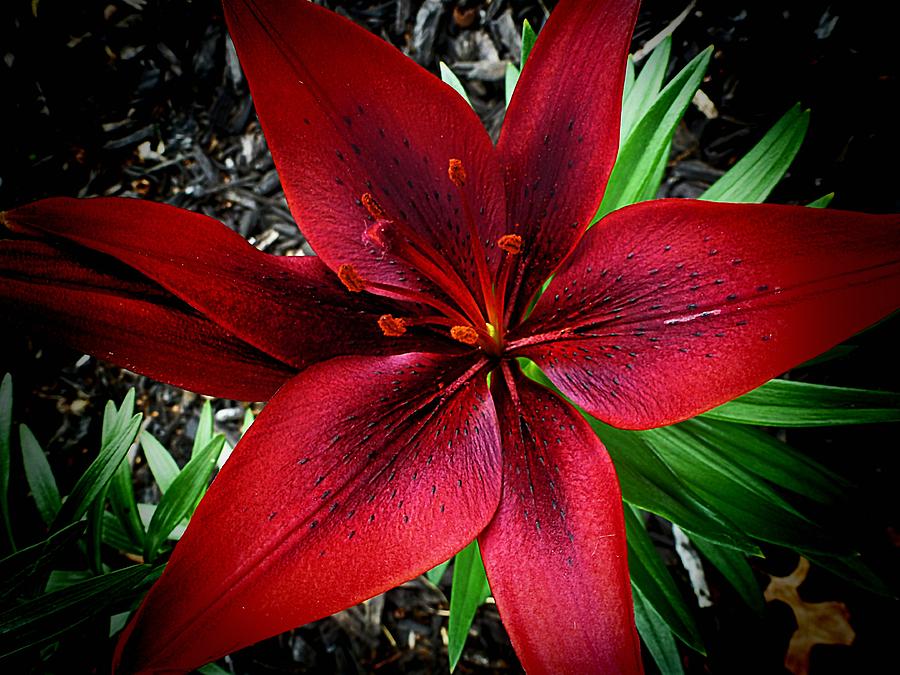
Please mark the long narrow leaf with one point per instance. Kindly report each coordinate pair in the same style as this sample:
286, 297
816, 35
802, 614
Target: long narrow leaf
29, 564
205, 428
734, 567
182, 496
469, 591
95, 480
786, 403
162, 464
650, 576
449, 77
656, 635
757, 173
121, 498
641, 152
39, 476
646, 87
6, 400
649, 484
435, 574
44, 619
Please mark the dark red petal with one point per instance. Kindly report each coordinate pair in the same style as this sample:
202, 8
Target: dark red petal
561, 132
293, 308
116, 315
345, 114
671, 307
359, 475
555, 552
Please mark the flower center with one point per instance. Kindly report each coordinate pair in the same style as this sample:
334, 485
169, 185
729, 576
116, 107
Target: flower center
474, 317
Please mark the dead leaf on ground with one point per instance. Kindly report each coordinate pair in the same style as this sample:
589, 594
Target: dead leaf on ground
818, 623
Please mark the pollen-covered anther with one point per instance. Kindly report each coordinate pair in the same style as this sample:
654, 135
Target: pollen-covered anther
457, 173
465, 334
373, 207
391, 325
351, 279
511, 243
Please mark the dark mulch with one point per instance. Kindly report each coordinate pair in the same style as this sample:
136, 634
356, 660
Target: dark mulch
145, 98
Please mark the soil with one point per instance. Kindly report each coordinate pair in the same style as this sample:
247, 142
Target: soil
144, 98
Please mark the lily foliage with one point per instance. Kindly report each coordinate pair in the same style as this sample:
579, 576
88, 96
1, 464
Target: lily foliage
400, 425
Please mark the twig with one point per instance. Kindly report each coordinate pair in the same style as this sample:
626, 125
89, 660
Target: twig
650, 44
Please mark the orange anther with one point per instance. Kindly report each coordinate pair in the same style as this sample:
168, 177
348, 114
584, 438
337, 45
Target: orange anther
392, 326
457, 172
373, 207
465, 334
351, 279
511, 243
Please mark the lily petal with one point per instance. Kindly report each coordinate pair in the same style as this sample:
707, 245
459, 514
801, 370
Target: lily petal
561, 133
360, 474
263, 299
347, 114
671, 307
555, 552
119, 316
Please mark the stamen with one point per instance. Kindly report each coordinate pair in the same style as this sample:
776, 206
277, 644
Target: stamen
392, 326
511, 243
457, 172
465, 334
351, 279
373, 207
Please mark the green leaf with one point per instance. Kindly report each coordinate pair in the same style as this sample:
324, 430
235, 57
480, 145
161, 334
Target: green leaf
470, 589
29, 564
205, 428
648, 483
39, 476
758, 172
640, 154
95, 517
44, 619
6, 400
629, 78
528, 40
511, 79
60, 579
93, 483
734, 567
115, 536
182, 496
162, 465
148, 510
121, 498
213, 669
646, 87
449, 77
435, 574
733, 492
656, 636
836, 352
822, 202
766, 457
852, 568
650, 576
786, 403
248, 420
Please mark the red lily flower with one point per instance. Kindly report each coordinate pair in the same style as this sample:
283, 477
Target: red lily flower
385, 451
